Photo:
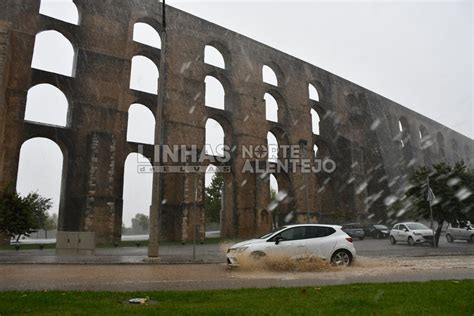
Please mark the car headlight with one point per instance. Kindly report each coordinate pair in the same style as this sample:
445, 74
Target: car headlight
237, 250
417, 234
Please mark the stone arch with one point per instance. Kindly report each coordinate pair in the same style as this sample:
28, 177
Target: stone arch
313, 92
46, 104
53, 52
315, 121
42, 168
269, 76
141, 124
65, 11
144, 75
215, 138
215, 93
271, 107
214, 57
146, 34
137, 186
272, 147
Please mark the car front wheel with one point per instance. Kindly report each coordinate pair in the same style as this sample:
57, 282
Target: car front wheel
341, 258
392, 240
449, 238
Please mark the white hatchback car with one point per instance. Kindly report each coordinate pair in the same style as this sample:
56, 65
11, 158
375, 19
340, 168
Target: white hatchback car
327, 242
412, 233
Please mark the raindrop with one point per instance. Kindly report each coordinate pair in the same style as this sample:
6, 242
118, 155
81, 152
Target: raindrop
246, 118
191, 110
389, 200
463, 194
197, 96
452, 182
185, 66
350, 180
375, 124
164, 201
243, 183
281, 196
272, 206
289, 217
361, 188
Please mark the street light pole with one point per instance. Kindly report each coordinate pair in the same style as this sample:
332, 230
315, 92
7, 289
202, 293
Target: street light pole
154, 236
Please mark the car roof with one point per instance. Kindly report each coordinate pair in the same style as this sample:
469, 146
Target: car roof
323, 225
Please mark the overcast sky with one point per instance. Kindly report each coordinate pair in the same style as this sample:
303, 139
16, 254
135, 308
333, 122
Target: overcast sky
419, 54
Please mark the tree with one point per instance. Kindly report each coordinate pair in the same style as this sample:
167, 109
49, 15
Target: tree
452, 186
50, 223
213, 199
140, 224
22, 215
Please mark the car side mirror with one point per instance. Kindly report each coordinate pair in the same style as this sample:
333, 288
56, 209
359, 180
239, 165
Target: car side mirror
406, 230
278, 239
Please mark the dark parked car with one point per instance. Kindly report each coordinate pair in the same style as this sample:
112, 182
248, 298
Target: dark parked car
377, 231
355, 230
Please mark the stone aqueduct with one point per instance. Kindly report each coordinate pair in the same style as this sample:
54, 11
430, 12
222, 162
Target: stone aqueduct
373, 140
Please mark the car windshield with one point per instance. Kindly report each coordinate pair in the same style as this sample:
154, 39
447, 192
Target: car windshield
381, 227
416, 226
274, 231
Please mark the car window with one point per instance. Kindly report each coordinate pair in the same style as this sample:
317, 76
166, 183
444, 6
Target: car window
403, 227
415, 226
395, 227
318, 231
294, 233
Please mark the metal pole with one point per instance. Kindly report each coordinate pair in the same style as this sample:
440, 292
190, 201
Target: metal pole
431, 211
153, 244
305, 177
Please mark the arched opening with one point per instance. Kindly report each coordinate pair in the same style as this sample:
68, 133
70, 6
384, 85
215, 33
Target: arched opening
272, 145
144, 33
137, 192
64, 10
46, 104
313, 93
215, 93
213, 201
214, 138
53, 52
273, 207
40, 170
271, 108
269, 76
144, 75
141, 125
315, 122
212, 56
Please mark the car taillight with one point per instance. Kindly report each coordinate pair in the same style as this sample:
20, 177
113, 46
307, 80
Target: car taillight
349, 239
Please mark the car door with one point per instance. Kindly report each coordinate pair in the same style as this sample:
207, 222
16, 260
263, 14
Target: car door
402, 232
319, 241
292, 243
395, 232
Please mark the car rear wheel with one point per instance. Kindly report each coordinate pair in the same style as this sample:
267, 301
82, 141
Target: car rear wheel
411, 242
341, 258
392, 240
449, 238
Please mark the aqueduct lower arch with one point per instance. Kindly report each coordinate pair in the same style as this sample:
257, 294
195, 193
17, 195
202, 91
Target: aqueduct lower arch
357, 127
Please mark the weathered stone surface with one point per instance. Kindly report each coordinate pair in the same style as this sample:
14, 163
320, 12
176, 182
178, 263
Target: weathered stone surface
358, 129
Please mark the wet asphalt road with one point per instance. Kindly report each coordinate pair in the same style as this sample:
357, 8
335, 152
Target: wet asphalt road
212, 253
218, 276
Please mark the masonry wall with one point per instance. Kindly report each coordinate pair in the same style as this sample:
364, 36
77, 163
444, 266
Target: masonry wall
358, 129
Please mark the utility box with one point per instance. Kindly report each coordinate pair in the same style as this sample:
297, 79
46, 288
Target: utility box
75, 243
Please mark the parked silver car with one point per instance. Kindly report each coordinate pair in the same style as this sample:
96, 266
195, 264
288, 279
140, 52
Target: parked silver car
355, 230
460, 231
